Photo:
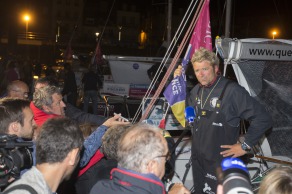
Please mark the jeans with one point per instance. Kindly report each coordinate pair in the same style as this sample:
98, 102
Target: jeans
90, 94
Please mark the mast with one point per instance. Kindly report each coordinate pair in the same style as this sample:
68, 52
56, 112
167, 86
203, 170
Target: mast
228, 19
169, 19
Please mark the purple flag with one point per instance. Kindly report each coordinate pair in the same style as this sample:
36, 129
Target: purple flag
175, 93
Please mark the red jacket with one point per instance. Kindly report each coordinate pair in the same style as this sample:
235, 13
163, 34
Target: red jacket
94, 159
40, 116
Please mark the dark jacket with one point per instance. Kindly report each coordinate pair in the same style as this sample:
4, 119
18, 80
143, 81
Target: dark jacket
91, 81
129, 182
70, 86
236, 104
83, 117
100, 170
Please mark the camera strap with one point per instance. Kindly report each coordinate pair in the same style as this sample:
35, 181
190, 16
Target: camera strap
20, 187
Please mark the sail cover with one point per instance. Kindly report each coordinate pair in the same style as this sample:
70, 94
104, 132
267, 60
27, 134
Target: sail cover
264, 68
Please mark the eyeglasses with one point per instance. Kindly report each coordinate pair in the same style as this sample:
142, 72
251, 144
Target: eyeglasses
166, 156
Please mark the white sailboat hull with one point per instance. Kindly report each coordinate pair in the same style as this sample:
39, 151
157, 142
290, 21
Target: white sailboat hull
132, 70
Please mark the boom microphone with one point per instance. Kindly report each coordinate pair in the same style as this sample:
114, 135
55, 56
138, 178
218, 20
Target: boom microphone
190, 114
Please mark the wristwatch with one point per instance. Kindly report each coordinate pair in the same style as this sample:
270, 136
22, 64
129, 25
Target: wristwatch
245, 147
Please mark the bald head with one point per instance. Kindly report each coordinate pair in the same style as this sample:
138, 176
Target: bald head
17, 89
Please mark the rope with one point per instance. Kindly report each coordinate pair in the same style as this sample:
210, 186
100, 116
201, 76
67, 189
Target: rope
176, 57
107, 19
273, 160
167, 55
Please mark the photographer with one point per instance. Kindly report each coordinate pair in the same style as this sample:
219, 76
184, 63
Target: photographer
16, 118
58, 152
233, 177
141, 155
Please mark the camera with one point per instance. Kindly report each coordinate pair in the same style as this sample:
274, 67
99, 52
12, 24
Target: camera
235, 177
15, 155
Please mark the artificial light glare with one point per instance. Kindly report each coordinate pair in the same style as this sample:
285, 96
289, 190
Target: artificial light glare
274, 33
26, 17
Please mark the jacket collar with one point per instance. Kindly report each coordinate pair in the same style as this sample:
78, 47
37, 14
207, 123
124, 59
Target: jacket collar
135, 180
40, 116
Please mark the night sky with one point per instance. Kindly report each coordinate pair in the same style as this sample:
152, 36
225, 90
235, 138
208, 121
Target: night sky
249, 18
254, 18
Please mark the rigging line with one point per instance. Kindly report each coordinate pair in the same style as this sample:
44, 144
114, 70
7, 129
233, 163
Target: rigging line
105, 25
73, 33
173, 43
189, 32
101, 34
276, 9
166, 57
221, 20
191, 26
171, 47
75, 27
173, 64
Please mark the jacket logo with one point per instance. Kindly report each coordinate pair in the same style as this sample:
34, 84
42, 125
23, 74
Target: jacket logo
213, 102
217, 124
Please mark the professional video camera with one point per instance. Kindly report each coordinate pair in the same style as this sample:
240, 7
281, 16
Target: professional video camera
15, 155
235, 177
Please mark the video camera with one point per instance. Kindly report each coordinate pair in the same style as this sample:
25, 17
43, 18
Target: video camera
235, 177
15, 155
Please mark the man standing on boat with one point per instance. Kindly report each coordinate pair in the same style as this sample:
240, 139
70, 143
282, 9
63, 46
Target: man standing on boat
91, 83
220, 105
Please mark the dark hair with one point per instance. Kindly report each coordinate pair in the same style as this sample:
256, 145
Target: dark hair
47, 80
11, 110
57, 138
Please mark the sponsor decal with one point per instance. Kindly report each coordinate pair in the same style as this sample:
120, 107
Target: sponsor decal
217, 124
213, 102
207, 189
211, 176
135, 66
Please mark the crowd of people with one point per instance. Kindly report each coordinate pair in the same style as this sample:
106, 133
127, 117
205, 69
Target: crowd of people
61, 151
78, 152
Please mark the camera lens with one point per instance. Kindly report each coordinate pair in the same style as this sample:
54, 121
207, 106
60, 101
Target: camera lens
236, 177
22, 158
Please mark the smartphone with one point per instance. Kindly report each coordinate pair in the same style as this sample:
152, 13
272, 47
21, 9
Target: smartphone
127, 120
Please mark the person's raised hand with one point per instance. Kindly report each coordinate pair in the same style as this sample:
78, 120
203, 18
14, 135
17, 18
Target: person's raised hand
177, 71
115, 120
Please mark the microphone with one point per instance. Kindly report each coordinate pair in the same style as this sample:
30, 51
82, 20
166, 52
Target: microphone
190, 114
